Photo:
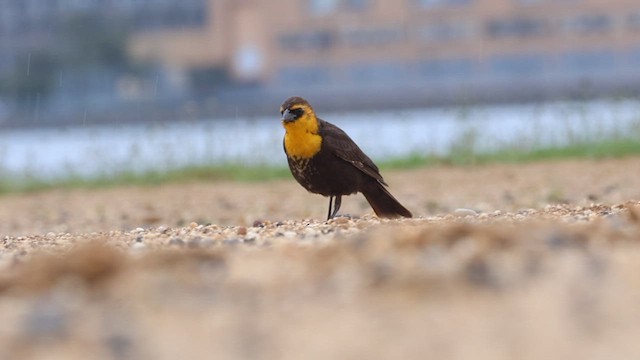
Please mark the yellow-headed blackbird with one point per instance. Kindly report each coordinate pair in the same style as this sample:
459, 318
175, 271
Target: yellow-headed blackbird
324, 160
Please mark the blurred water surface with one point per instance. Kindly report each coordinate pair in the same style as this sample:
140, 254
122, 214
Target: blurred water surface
90, 151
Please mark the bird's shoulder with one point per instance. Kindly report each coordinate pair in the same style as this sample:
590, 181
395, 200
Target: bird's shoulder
337, 142
327, 129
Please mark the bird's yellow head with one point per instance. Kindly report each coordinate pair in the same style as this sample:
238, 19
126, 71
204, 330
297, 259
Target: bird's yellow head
298, 115
301, 124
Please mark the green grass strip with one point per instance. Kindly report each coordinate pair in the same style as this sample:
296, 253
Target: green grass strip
458, 156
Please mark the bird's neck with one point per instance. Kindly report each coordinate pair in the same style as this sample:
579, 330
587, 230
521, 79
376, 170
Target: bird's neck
301, 139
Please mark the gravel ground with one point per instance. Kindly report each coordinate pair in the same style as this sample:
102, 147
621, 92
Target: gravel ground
503, 261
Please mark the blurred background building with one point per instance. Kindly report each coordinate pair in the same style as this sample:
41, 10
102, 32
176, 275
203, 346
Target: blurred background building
100, 60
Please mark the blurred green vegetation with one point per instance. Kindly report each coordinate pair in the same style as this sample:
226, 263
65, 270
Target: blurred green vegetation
225, 172
603, 149
462, 154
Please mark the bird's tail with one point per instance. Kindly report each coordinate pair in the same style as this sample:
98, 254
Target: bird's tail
383, 203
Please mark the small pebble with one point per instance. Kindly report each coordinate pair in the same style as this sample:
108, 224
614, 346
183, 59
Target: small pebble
464, 212
138, 245
193, 225
252, 235
242, 230
340, 220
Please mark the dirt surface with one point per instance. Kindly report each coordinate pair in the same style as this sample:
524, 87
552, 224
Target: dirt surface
504, 261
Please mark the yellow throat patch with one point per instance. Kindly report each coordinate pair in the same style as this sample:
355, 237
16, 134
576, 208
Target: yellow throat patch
301, 139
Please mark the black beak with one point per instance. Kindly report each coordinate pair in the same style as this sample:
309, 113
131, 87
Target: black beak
288, 116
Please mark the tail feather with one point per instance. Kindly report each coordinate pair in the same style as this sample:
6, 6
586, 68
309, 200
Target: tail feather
383, 203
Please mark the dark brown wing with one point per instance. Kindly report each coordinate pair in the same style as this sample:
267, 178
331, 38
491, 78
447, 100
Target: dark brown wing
339, 143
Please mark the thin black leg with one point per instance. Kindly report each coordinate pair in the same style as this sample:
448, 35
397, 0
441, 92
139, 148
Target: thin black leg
330, 206
336, 205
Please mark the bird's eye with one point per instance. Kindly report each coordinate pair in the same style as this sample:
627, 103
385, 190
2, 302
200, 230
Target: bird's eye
298, 112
